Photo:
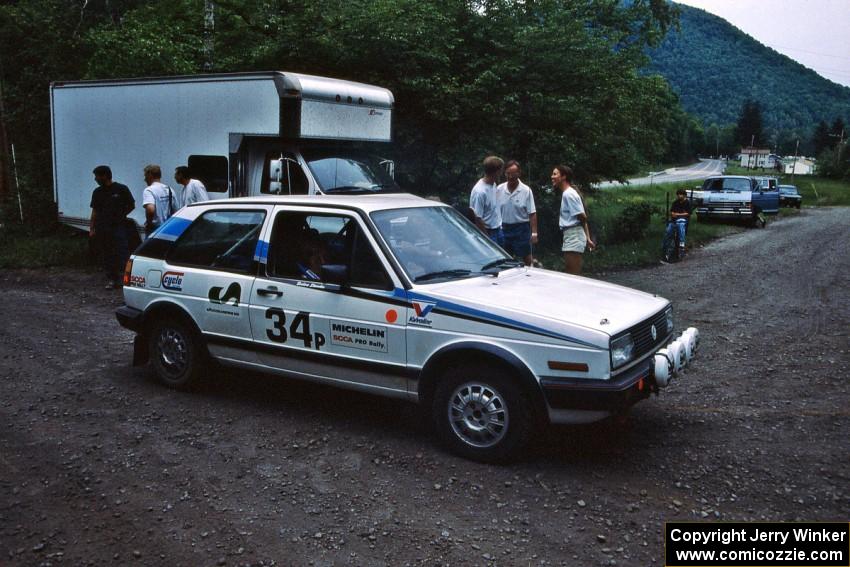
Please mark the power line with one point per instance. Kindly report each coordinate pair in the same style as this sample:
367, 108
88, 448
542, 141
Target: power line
811, 52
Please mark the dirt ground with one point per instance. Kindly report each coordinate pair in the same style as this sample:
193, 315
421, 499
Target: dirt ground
101, 466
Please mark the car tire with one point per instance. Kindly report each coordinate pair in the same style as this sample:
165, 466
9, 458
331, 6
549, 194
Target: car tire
481, 413
176, 354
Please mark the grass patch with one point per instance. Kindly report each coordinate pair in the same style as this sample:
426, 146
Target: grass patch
62, 246
605, 209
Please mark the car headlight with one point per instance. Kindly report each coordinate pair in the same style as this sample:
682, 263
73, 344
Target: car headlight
622, 350
669, 317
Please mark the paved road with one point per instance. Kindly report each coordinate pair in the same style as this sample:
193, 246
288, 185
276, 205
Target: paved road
101, 466
705, 168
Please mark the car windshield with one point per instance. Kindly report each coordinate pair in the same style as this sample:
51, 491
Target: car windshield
787, 189
727, 184
349, 171
438, 243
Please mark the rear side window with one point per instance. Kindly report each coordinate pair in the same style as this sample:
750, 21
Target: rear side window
220, 240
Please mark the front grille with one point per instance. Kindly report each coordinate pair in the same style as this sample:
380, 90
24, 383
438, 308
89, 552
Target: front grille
642, 333
727, 207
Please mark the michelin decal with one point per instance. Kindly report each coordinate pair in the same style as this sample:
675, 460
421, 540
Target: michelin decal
359, 335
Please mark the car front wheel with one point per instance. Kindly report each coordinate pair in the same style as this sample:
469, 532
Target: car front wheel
480, 413
176, 354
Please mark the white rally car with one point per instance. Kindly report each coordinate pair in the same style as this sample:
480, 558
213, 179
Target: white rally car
399, 296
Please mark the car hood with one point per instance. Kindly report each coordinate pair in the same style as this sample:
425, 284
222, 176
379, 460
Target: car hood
576, 306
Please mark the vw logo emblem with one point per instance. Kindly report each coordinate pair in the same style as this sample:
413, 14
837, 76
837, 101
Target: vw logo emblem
653, 332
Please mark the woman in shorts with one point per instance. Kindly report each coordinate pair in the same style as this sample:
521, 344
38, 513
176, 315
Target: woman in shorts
573, 220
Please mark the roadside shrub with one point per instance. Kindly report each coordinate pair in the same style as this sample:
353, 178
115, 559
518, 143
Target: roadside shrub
631, 223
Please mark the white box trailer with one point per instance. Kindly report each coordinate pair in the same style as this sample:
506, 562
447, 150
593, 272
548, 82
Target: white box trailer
241, 134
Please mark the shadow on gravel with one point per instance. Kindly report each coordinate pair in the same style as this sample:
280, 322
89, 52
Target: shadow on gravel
263, 395
619, 442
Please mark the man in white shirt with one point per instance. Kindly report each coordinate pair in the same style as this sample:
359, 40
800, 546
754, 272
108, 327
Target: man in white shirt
484, 200
193, 190
158, 199
519, 215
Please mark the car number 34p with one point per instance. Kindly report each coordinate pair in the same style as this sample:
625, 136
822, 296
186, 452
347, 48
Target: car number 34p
398, 296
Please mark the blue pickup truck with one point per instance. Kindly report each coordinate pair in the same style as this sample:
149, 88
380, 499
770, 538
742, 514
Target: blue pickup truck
737, 197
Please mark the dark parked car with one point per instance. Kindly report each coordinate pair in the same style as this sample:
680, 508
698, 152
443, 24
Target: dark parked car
789, 196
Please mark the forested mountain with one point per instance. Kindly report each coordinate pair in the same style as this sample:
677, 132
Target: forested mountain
715, 67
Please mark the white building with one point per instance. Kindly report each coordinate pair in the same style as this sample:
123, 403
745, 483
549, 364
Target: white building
802, 166
757, 157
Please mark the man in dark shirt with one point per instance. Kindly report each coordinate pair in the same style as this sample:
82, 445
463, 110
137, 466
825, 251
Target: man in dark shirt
680, 214
110, 204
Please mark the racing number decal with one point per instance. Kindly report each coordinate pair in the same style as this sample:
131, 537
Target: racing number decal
278, 331
299, 329
302, 320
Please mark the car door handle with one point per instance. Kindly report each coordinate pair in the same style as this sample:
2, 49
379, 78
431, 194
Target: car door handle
270, 291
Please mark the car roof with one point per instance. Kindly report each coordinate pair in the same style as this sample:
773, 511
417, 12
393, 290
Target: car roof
729, 177
366, 203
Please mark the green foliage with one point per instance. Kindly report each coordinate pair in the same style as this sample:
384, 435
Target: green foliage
749, 130
157, 39
632, 222
714, 67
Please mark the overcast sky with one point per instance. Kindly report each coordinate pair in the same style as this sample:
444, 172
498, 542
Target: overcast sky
815, 33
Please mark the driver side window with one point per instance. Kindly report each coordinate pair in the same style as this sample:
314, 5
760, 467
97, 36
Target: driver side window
304, 245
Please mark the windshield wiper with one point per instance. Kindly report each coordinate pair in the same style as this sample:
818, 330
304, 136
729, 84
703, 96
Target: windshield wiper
501, 262
442, 274
352, 189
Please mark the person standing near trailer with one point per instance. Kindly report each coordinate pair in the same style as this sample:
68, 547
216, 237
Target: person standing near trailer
158, 199
519, 215
111, 202
193, 190
484, 200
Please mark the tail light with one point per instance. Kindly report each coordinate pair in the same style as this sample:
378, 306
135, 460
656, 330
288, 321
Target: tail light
128, 271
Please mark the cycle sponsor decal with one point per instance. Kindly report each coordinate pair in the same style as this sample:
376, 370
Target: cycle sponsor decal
422, 310
359, 335
172, 281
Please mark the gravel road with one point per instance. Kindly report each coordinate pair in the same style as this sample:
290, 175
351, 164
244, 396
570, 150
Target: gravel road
101, 466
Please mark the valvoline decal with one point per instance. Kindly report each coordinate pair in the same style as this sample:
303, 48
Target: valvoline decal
173, 281
422, 310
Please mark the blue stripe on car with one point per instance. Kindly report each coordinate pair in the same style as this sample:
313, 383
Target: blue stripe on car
261, 252
458, 310
172, 229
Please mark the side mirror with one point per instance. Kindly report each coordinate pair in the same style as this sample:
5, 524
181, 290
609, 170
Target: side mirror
335, 274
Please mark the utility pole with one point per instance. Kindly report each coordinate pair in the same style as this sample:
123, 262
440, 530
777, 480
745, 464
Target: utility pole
794, 164
209, 30
838, 147
752, 149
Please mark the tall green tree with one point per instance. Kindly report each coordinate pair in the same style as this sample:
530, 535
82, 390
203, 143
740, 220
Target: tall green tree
749, 129
820, 138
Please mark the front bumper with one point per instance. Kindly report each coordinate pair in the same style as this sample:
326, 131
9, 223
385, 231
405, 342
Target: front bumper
576, 400
605, 395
